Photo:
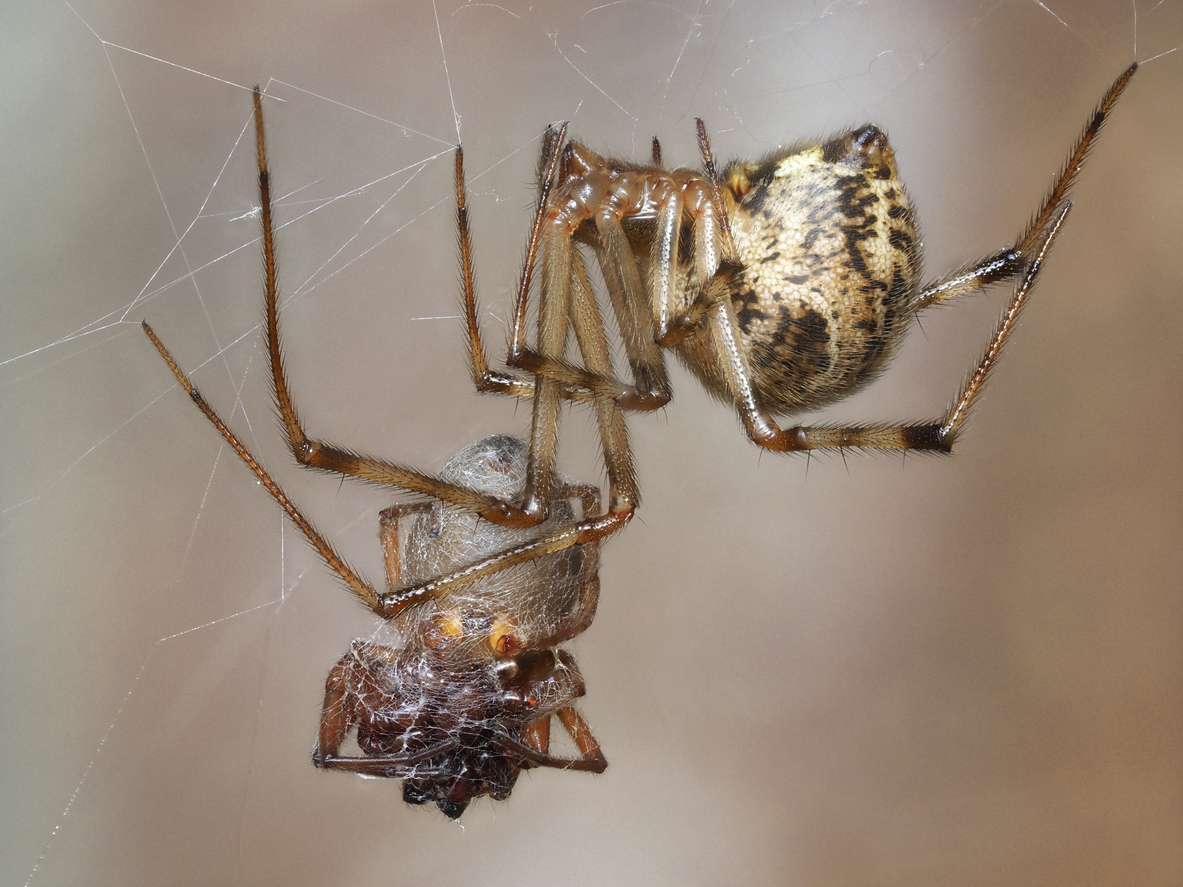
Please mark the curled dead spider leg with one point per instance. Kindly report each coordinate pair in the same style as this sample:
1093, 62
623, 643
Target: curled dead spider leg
591, 759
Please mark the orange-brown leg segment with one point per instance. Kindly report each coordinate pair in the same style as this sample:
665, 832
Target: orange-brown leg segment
317, 454
537, 735
591, 758
584, 740
388, 536
338, 713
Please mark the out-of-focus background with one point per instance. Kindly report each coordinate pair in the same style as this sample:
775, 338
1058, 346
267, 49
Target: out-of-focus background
866, 670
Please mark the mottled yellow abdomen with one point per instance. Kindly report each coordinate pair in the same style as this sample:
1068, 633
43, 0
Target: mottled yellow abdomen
828, 244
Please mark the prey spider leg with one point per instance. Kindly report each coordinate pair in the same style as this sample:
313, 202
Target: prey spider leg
591, 758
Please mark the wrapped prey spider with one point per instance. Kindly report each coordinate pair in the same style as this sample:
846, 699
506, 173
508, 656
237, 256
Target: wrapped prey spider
463, 701
460, 701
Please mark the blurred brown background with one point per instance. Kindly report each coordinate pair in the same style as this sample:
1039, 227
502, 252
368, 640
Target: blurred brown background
862, 671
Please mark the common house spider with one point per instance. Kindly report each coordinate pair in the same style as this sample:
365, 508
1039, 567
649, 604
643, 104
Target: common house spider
783, 285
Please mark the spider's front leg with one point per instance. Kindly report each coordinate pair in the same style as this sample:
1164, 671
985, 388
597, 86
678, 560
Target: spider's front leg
327, 457
566, 298
485, 379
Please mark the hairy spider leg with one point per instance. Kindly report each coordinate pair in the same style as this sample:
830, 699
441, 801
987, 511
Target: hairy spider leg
359, 586
1025, 258
1010, 261
576, 308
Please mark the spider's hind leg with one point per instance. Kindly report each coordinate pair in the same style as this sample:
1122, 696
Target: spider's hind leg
1011, 261
933, 436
